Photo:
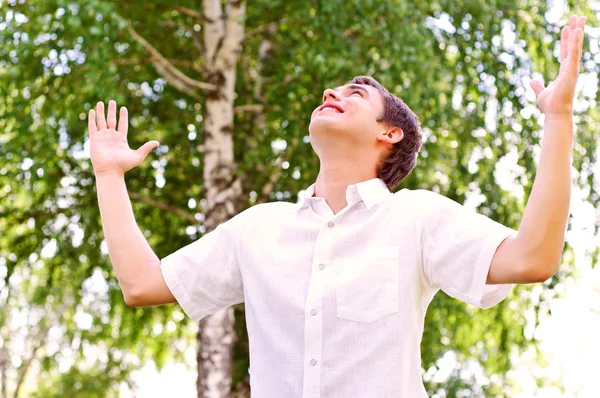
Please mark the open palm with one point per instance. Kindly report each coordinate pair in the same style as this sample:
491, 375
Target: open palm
109, 149
557, 98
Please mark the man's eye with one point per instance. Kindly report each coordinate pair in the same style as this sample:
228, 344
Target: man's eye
356, 92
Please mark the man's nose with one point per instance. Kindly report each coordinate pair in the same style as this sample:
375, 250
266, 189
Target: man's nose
329, 94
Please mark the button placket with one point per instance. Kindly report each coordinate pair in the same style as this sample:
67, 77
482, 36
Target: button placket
313, 325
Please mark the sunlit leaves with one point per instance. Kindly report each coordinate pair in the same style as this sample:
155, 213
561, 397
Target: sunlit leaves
462, 66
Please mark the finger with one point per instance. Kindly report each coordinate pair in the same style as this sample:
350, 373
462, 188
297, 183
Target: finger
100, 120
579, 49
537, 86
581, 25
564, 43
123, 120
145, 149
572, 26
575, 46
92, 129
573, 22
111, 120
573, 42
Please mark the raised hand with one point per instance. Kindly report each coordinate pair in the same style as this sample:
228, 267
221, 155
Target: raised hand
557, 98
109, 150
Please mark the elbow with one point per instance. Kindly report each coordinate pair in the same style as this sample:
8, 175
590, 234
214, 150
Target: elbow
133, 298
540, 261
540, 270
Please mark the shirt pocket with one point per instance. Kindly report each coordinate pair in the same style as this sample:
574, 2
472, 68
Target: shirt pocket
368, 286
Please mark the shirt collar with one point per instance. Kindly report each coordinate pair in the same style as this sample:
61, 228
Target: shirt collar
370, 192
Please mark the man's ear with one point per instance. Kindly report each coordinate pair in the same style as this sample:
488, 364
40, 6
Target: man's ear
391, 136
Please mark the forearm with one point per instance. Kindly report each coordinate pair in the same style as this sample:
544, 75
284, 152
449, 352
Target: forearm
130, 253
542, 230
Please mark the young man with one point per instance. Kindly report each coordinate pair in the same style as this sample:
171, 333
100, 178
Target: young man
336, 286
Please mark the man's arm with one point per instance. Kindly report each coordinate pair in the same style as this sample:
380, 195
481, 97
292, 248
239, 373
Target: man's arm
533, 255
136, 266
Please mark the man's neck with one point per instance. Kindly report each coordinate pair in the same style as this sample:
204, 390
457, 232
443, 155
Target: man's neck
334, 179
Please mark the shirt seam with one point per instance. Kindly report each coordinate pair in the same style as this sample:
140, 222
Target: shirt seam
177, 288
237, 258
419, 232
479, 298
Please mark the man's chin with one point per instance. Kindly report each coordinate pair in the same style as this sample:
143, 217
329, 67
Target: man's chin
324, 126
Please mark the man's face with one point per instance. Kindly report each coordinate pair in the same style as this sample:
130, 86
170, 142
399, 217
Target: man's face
347, 119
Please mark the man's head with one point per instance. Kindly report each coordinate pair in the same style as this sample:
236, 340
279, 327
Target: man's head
364, 120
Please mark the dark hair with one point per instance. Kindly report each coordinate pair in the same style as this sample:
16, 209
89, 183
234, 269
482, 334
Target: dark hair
403, 156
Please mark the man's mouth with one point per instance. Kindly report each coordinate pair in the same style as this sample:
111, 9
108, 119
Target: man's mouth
331, 107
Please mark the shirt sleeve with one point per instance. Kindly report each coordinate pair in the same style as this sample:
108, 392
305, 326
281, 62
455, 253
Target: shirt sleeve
204, 276
457, 247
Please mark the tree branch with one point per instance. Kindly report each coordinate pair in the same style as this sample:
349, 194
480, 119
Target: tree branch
269, 28
163, 206
176, 26
249, 108
188, 29
197, 40
175, 82
163, 65
41, 339
177, 62
264, 51
189, 12
275, 174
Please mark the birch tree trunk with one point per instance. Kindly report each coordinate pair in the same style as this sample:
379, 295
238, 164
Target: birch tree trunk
223, 35
3, 369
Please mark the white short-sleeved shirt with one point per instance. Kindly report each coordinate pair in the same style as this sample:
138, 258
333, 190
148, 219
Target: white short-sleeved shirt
335, 304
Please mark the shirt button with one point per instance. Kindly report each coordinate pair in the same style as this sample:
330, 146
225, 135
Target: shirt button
330, 224
313, 312
321, 266
313, 362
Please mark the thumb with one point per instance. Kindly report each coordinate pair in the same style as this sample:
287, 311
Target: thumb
537, 86
145, 149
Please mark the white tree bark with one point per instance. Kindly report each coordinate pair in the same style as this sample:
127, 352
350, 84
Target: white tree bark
3, 369
223, 35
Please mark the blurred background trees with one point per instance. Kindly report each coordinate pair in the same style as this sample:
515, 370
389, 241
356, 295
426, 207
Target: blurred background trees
463, 66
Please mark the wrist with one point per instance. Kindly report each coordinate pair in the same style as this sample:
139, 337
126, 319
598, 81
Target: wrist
109, 174
558, 116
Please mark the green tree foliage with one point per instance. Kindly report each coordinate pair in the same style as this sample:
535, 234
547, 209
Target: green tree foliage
463, 66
